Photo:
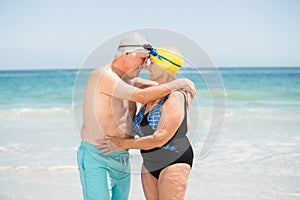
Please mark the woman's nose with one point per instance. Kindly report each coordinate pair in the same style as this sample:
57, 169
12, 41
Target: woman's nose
146, 66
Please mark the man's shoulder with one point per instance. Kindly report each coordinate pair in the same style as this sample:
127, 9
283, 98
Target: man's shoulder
103, 71
99, 70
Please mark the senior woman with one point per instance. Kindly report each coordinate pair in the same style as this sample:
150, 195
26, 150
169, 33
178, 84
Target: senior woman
162, 126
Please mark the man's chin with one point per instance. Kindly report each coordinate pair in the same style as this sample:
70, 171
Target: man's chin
135, 75
126, 77
130, 76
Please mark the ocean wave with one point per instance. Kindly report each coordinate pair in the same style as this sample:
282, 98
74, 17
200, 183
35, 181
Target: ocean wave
15, 148
29, 111
39, 168
36, 73
261, 95
280, 156
25, 148
286, 97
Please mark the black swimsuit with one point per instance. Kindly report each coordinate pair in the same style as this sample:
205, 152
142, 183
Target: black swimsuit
177, 150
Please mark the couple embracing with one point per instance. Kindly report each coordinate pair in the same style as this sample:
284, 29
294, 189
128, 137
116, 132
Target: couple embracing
112, 124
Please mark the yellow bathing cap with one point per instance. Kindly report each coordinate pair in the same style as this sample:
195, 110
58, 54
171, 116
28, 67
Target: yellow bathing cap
168, 58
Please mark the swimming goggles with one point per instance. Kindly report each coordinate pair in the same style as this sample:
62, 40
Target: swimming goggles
152, 51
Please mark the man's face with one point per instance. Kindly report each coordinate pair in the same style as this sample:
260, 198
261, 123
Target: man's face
136, 62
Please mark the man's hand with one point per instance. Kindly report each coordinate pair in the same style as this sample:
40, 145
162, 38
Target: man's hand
107, 147
188, 99
189, 87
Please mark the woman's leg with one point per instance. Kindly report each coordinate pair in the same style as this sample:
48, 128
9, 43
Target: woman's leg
149, 185
173, 180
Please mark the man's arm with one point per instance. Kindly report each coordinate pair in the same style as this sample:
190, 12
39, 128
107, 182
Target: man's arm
142, 83
159, 91
111, 84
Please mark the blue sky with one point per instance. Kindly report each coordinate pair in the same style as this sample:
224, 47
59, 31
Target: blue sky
61, 34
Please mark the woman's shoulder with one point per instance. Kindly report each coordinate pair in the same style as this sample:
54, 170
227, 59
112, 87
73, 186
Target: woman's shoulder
177, 96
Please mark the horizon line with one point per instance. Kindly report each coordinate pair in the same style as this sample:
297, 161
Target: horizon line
226, 66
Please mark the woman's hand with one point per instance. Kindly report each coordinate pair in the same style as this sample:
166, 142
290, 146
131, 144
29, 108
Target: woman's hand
107, 146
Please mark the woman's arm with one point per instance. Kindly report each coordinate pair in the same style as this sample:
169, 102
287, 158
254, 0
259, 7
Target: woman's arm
170, 120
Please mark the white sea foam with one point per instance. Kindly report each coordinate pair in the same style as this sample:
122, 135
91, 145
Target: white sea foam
15, 148
36, 111
39, 168
30, 147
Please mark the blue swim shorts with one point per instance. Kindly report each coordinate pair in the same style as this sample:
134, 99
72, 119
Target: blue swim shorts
103, 177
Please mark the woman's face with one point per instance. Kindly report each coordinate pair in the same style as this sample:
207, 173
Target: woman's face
155, 71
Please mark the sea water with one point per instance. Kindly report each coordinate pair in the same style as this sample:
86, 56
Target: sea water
257, 155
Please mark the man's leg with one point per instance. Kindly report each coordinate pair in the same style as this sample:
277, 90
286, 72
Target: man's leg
120, 190
93, 176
